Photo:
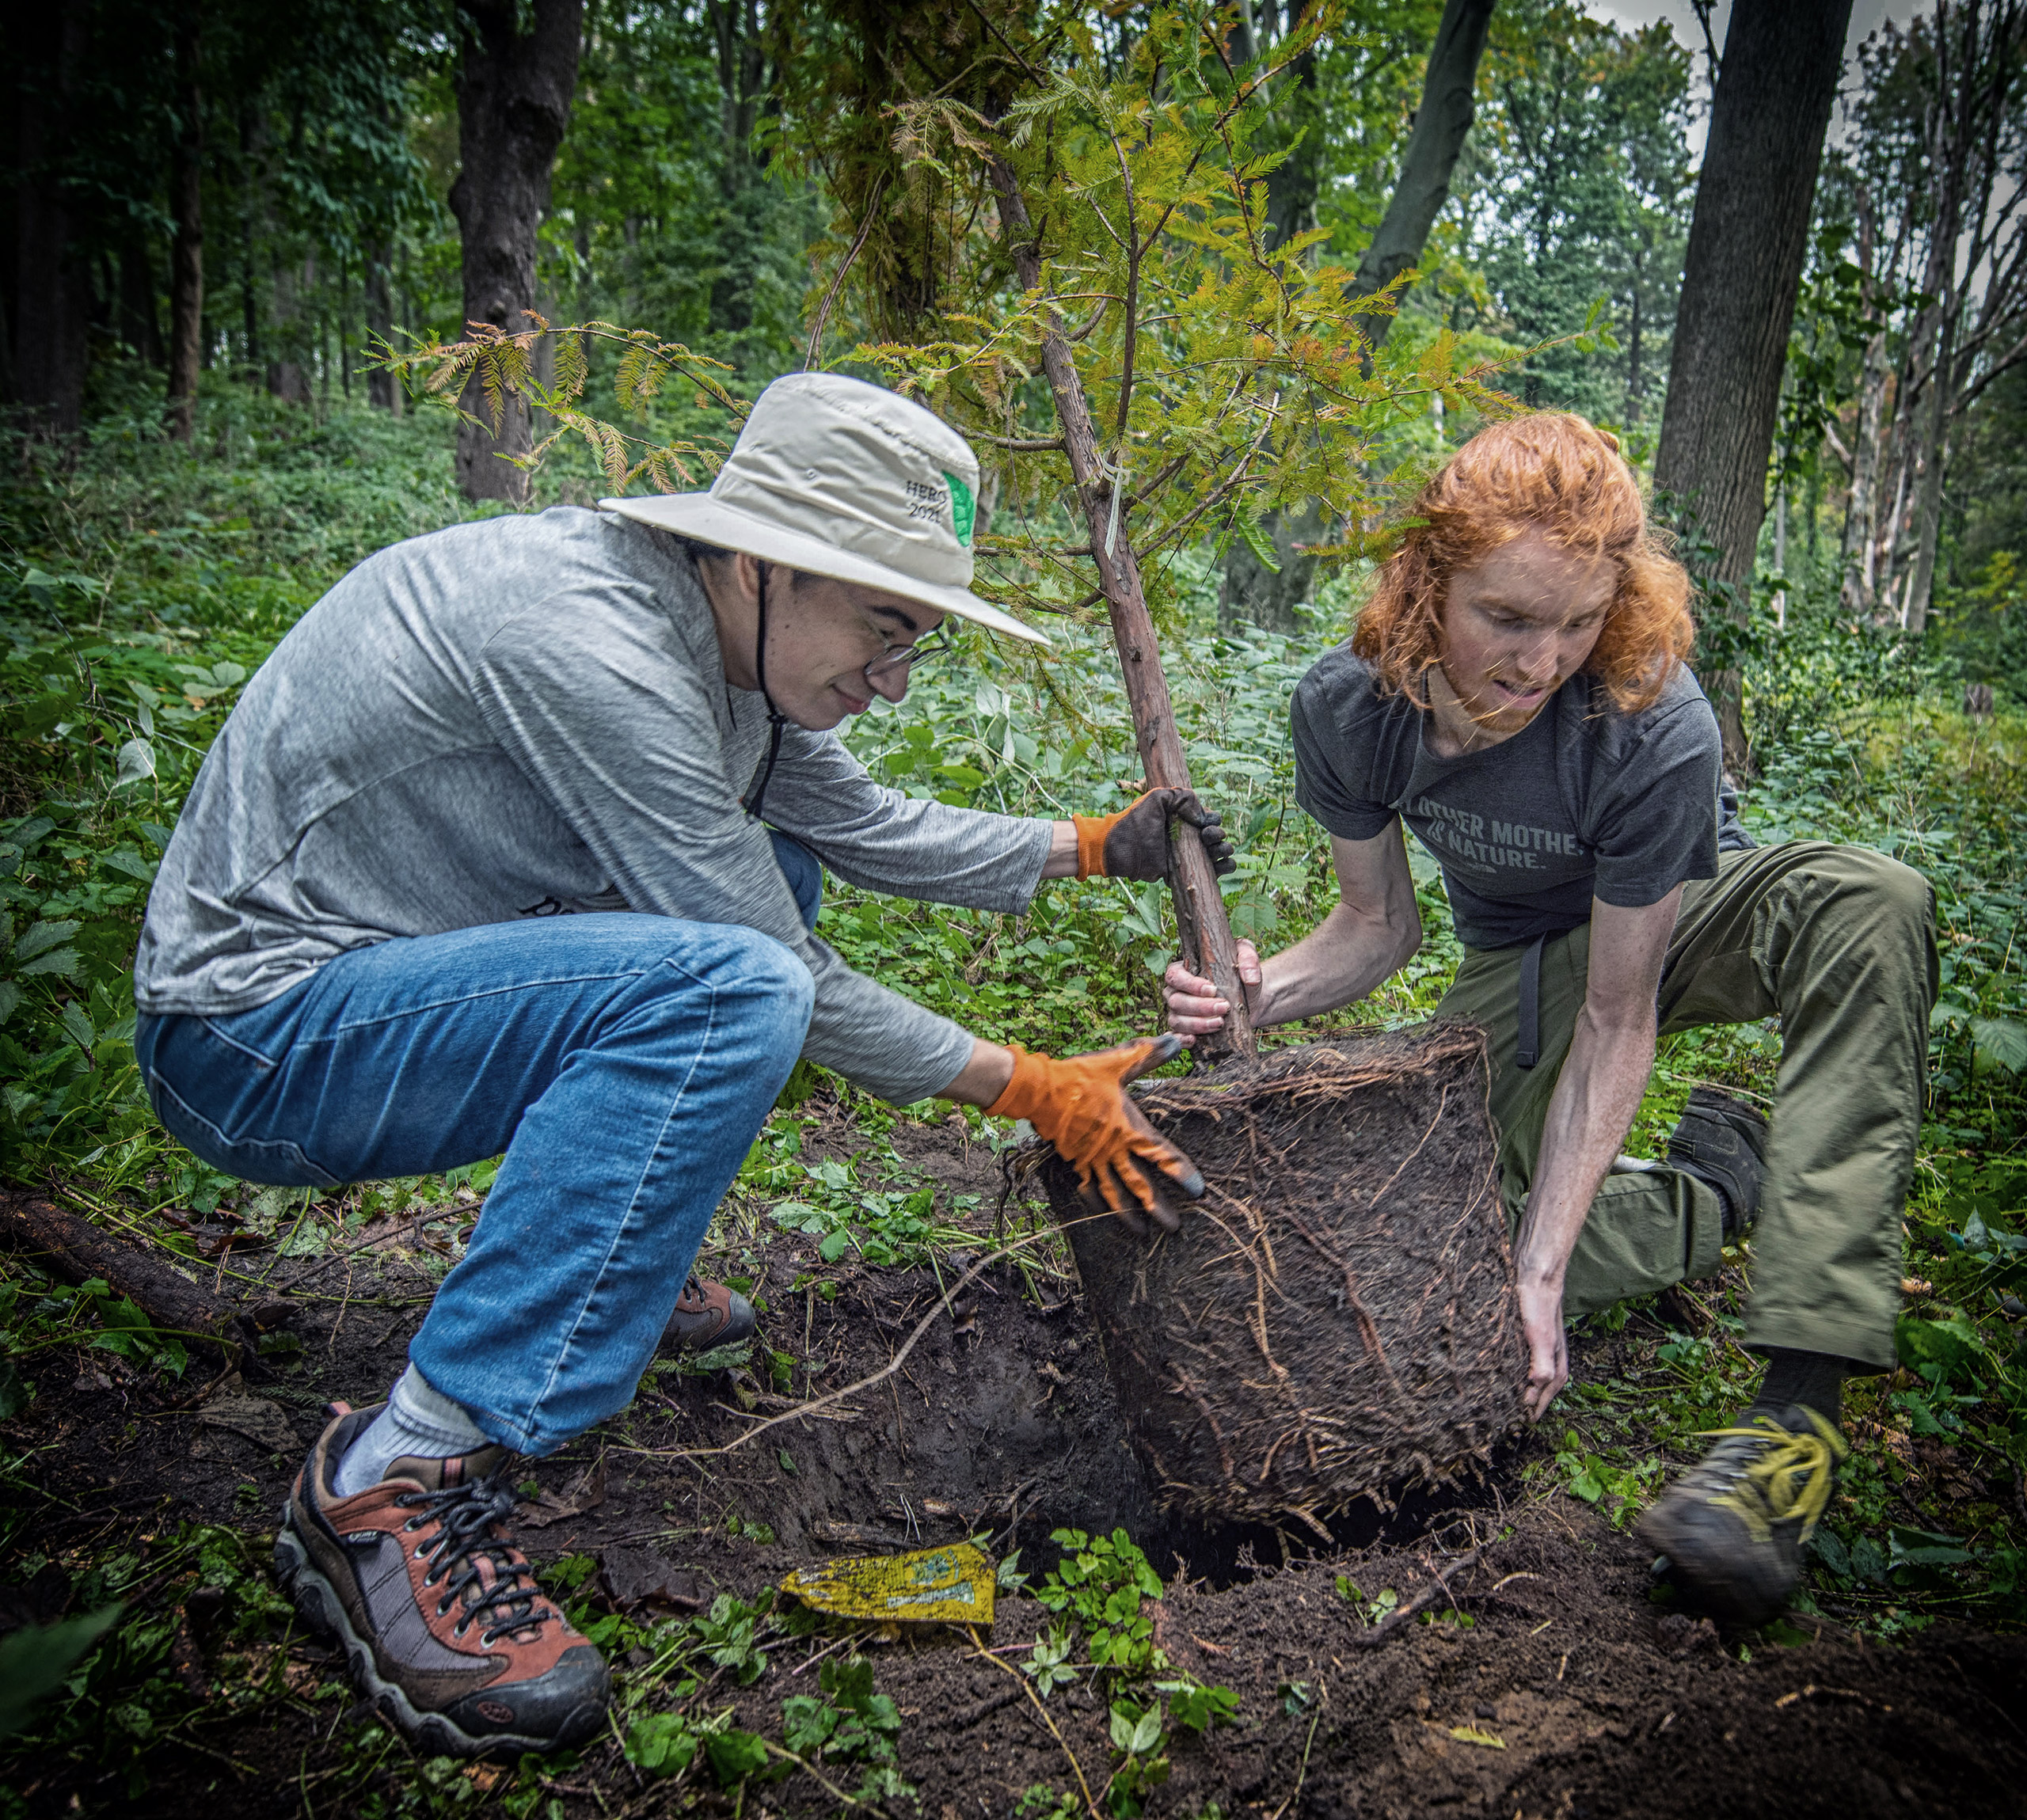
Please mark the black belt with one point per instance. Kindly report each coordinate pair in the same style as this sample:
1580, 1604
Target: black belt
1528, 1049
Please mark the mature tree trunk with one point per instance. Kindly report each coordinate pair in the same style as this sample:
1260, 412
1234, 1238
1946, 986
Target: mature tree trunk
51, 292
1441, 123
1293, 185
383, 390
186, 281
514, 94
140, 328
1740, 275
1251, 591
288, 369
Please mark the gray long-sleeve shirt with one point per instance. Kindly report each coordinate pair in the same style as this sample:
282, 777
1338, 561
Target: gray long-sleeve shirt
529, 716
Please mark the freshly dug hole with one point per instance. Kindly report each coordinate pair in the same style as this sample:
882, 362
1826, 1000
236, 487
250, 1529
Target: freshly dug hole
1336, 1318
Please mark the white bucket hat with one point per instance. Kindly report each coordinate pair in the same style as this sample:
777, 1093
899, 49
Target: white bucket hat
843, 479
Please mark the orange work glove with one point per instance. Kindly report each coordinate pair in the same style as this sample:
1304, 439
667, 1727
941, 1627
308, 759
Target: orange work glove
1080, 1105
1133, 844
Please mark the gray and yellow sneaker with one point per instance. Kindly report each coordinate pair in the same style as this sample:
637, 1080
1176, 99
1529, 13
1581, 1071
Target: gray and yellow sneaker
1732, 1526
418, 1579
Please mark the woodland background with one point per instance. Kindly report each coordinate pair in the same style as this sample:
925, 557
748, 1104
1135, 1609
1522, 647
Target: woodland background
225, 217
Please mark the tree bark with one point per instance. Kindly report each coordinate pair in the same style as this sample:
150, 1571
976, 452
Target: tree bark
1441, 123
514, 92
383, 390
68, 1246
51, 291
140, 328
1199, 907
1740, 275
186, 281
1293, 185
1250, 590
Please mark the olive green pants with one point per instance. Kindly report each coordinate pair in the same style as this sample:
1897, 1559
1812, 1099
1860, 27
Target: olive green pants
1839, 943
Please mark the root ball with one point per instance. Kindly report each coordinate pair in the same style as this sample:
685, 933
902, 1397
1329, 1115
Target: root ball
1336, 1320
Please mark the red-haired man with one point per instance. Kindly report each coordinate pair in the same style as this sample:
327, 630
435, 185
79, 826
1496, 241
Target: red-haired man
1514, 692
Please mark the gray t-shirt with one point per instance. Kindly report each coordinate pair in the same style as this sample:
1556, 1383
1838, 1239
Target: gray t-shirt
1583, 801
530, 715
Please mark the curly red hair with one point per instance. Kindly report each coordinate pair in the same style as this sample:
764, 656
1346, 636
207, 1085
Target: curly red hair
1552, 472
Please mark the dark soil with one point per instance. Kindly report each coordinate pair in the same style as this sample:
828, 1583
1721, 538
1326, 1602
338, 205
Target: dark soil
1601, 1702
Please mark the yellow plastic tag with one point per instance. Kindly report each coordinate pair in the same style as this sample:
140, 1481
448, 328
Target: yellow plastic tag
952, 1585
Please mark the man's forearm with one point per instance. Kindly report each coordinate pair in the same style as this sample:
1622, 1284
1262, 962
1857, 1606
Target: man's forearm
1338, 963
983, 1078
1061, 860
1592, 1109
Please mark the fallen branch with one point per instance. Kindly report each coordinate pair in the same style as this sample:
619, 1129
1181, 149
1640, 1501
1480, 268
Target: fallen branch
375, 1239
78, 1251
1423, 1599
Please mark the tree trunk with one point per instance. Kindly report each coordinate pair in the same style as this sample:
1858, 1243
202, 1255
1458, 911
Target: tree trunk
1250, 590
186, 279
1741, 275
1861, 507
513, 105
51, 290
1199, 908
67, 1245
383, 390
1293, 185
1927, 515
1441, 123
140, 328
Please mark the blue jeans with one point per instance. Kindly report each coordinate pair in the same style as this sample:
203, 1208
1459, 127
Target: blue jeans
623, 1063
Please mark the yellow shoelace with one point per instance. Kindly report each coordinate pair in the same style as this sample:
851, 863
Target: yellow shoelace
1790, 1479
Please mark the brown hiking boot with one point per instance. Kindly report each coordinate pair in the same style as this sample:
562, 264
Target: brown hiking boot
1732, 1526
418, 1577
708, 1314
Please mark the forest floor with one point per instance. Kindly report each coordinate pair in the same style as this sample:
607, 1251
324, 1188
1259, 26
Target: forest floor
1505, 1652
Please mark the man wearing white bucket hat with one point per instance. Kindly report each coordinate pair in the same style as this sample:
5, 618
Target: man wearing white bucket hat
383, 942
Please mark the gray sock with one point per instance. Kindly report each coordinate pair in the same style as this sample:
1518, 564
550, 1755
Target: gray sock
419, 1420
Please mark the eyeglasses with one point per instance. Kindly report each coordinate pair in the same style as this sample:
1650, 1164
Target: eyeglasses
895, 660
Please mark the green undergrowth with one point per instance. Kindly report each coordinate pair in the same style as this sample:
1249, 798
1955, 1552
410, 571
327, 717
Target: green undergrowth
140, 585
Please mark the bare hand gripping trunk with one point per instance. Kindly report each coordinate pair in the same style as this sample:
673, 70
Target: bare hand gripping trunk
514, 92
1199, 909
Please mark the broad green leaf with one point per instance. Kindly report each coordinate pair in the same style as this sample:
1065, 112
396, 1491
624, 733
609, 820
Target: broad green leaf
63, 962
125, 860
2000, 1042
136, 761
39, 936
77, 1026
36, 1658
735, 1755
661, 1743
1926, 1548
1952, 1344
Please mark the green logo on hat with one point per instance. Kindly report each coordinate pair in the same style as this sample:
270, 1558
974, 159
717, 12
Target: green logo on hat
963, 509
